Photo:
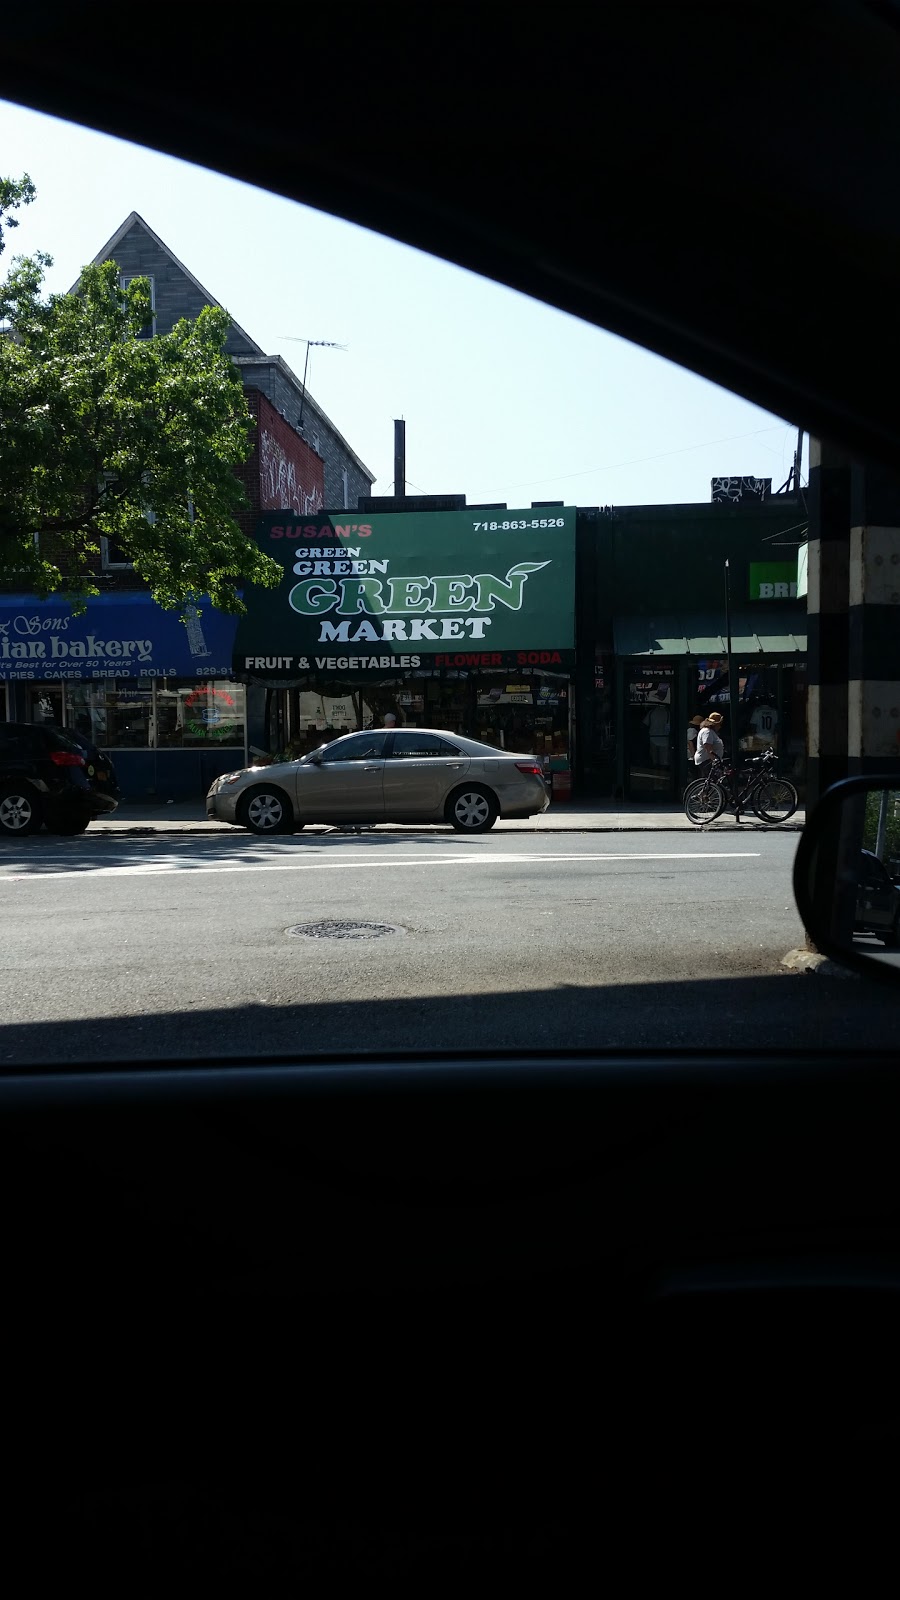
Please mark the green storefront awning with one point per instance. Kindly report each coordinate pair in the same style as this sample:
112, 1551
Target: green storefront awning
752, 634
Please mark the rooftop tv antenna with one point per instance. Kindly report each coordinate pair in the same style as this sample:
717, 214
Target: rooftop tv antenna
319, 344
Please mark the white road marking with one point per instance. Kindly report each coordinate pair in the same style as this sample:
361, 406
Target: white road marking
150, 869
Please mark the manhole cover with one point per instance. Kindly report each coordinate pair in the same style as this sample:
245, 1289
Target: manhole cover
341, 930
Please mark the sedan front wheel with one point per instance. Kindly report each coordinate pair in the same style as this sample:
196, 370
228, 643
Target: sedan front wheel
266, 810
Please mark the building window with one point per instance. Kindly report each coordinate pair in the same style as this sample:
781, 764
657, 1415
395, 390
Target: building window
345, 478
113, 557
125, 278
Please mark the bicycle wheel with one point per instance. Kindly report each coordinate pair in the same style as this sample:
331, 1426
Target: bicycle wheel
775, 800
703, 801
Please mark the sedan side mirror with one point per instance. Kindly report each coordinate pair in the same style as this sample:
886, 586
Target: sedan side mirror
844, 874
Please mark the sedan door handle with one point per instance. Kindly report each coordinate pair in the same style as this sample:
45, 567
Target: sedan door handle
371, 769
455, 765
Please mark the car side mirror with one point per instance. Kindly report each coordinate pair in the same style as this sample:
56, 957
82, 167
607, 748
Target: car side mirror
847, 876
315, 758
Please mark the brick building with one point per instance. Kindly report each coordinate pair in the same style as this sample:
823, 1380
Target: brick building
341, 477
158, 694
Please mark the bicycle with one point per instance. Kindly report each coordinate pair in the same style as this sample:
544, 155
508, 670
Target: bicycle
754, 787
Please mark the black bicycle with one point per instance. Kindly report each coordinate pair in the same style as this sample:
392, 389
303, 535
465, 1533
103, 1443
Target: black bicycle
755, 787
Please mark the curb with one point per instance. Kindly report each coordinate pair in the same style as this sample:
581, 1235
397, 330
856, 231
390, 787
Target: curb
810, 962
206, 829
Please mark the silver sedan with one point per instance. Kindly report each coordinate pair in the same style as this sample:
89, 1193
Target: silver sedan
387, 775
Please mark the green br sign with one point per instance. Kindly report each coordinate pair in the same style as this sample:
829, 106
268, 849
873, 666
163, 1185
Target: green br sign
773, 580
381, 594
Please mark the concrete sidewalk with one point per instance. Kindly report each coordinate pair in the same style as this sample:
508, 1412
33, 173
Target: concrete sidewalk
189, 816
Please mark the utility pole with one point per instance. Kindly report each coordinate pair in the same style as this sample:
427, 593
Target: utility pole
884, 806
399, 459
732, 681
798, 457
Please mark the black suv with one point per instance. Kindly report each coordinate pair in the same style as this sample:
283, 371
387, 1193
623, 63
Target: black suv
99, 767
877, 900
45, 778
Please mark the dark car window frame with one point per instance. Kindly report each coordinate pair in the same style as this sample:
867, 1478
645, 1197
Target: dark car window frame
876, 873
23, 741
445, 748
327, 759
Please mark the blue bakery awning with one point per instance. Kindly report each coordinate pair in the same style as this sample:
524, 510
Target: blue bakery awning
123, 635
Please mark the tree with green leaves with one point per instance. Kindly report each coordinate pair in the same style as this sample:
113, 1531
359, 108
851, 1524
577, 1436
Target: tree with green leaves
106, 433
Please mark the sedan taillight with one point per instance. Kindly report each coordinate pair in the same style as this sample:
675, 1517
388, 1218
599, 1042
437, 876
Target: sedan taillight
66, 758
534, 767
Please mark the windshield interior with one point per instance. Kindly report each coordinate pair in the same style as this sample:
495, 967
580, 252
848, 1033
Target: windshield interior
415, 764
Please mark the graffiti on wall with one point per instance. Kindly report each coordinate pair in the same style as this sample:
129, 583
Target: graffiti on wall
281, 486
732, 490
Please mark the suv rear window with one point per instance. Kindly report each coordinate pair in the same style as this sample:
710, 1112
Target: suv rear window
54, 740
18, 740
21, 740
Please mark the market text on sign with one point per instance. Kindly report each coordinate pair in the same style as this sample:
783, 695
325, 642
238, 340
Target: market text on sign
435, 608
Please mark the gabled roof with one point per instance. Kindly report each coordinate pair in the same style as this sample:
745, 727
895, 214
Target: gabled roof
254, 356
109, 249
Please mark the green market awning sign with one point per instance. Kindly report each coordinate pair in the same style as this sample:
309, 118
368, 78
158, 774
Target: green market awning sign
377, 595
773, 580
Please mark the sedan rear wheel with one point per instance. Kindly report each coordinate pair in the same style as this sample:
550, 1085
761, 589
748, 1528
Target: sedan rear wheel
472, 809
266, 810
20, 811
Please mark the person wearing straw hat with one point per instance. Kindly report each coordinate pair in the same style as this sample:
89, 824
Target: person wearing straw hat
709, 744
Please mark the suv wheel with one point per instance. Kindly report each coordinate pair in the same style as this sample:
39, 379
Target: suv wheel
20, 810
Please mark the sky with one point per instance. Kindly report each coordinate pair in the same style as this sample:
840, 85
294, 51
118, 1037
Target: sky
504, 399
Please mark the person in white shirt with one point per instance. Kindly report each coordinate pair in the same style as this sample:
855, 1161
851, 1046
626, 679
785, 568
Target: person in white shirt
709, 745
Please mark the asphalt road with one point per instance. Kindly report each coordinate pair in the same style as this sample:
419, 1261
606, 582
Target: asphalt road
178, 945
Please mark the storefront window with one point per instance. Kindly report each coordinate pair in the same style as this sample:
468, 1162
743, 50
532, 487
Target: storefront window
759, 717
196, 715
45, 703
793, 740
771, 708
649, 730
113, 713
119, 715
525, 710
528, 713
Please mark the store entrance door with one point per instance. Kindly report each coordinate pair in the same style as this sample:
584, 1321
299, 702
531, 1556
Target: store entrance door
650, 765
